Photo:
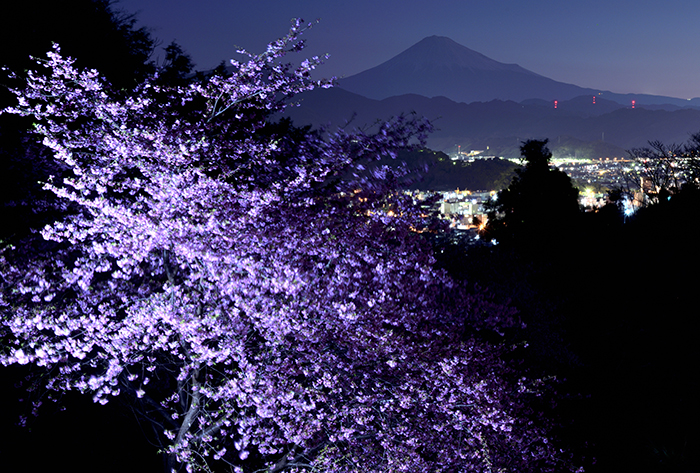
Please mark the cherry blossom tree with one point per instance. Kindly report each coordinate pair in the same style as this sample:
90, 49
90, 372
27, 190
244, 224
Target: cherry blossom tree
264, 299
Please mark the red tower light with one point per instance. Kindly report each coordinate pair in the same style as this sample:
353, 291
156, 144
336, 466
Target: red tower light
633, 102
594, 100
556, 103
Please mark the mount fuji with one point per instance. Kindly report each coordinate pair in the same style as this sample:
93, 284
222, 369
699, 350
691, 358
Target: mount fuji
438, 66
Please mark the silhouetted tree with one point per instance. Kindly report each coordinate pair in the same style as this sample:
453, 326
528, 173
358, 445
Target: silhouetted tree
177, 67
93, 32
98, 36
663, 170
540, 204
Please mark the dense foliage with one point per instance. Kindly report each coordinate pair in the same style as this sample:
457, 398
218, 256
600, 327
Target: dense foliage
95, 32
540, 204
439, 173
258, 309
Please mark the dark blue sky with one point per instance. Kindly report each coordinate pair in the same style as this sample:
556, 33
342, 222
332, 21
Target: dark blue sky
636, 46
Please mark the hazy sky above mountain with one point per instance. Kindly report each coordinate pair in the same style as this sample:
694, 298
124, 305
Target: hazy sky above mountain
625, 46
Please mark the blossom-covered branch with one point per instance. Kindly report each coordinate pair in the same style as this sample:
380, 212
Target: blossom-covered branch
259, 293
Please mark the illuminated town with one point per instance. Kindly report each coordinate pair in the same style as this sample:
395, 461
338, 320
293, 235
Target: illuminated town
465, 209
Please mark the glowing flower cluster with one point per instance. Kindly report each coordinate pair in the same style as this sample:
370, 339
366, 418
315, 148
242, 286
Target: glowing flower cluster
252, 303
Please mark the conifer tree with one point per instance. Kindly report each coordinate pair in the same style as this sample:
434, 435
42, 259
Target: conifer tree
539, 207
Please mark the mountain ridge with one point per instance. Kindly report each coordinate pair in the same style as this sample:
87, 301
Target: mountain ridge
480, 124
439, 66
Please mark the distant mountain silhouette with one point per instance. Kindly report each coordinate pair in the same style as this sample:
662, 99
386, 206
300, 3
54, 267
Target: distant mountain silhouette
438, 66
481, 104
608, 128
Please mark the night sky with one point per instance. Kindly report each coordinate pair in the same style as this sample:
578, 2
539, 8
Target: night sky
625, 46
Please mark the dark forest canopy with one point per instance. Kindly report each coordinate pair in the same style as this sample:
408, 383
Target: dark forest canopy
98, 35
95, 32
436, 171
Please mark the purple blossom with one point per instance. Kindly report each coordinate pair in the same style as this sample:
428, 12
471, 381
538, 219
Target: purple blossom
291, 315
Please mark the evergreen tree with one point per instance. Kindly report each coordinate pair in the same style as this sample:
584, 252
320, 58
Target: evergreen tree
539, 207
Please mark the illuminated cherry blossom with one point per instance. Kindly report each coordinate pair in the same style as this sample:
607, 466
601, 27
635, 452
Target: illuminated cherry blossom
260, 295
